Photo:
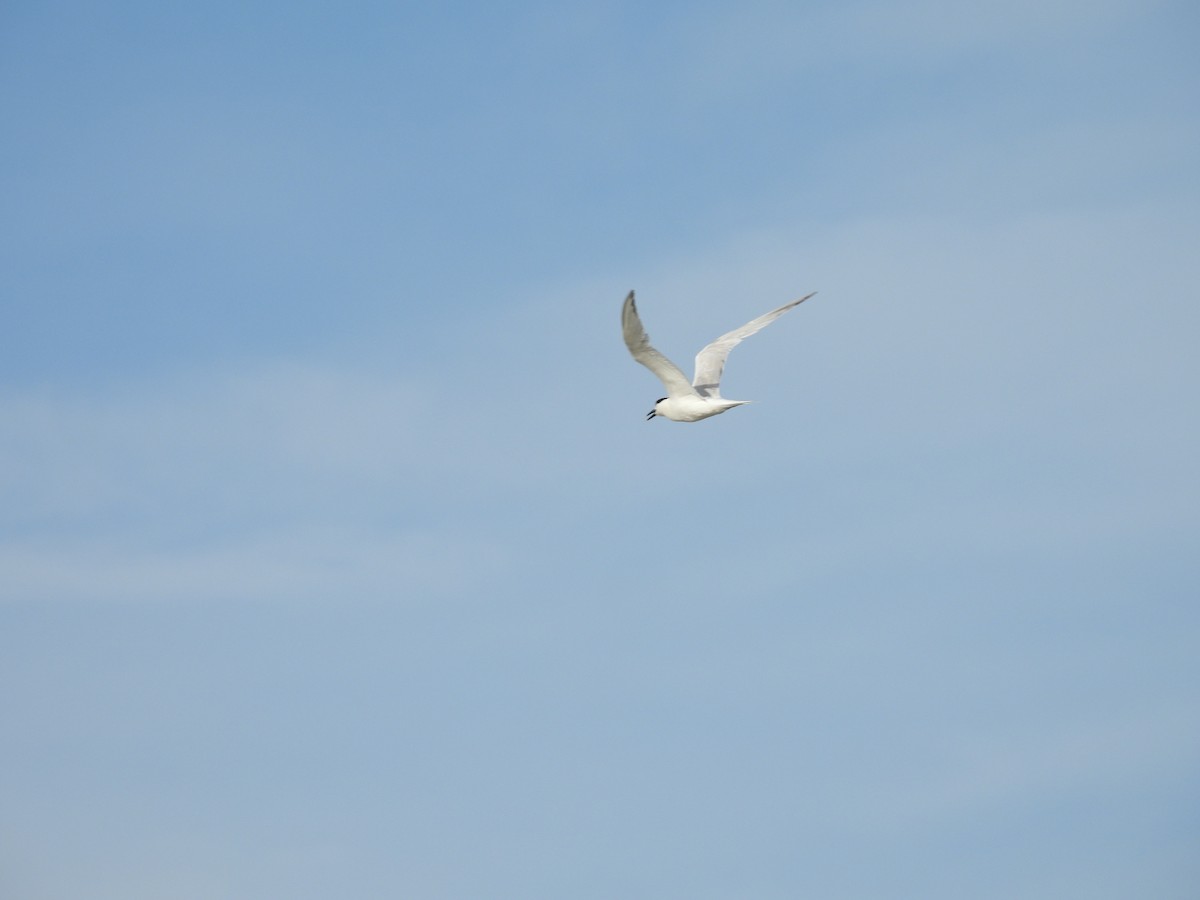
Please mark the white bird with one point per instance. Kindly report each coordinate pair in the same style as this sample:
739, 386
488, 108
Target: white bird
702, 398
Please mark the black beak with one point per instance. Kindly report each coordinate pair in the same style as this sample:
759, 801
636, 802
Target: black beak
650, 415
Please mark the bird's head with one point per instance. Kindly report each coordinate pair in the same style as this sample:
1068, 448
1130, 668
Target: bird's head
654, 412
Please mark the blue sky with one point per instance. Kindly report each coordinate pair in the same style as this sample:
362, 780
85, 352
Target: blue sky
336, 557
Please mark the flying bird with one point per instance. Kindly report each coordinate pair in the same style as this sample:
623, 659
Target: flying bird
702, 398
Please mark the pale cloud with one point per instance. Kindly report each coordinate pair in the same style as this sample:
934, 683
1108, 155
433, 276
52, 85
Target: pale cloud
286, 481
301, 565
989, 768
221, 433
734, 51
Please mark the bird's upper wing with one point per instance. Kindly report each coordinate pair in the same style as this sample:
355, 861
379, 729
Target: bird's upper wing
638, 343
710, 361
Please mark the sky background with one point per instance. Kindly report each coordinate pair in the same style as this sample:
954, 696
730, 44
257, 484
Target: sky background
337, 558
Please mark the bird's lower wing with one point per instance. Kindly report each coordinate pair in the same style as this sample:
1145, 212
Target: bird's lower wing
710, 362
638, 343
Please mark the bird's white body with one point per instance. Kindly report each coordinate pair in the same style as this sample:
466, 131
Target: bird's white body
693, 409
691, 401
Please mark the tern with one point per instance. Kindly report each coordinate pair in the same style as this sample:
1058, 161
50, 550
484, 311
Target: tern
702, 398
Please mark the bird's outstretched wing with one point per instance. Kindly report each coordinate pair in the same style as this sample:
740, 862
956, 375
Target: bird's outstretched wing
710, 361
638, 343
